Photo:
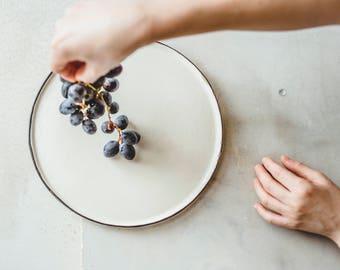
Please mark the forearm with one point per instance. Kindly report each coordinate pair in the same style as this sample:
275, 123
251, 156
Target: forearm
171, 18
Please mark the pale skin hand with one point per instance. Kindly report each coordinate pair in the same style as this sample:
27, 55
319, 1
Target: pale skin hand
94, 36
295, 196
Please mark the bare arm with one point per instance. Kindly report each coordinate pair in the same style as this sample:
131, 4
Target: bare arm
178, 17
120, 27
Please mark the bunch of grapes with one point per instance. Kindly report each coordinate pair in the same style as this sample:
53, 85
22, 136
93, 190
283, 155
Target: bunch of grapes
86, 102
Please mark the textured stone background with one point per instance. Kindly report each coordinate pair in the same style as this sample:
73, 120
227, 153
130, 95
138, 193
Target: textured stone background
222, 230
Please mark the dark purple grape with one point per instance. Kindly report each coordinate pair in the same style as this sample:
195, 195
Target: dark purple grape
128, 151
89, 126
114, 107
138, 136
111, 84
89, 100
115, 72
68, 107
107, 127
107, 97
76, 118
76, 93
99, 83
89, 95
96, 110
64, 88
111, 149
122, 121
129, 137
90, 91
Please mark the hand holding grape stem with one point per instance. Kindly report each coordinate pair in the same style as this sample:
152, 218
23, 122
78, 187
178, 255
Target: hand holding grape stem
94, 36
298, 197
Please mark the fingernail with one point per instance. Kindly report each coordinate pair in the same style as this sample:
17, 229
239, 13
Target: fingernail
255, 206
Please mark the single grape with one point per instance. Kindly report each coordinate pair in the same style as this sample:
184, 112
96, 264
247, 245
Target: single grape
107, 127
99, 83
89, 126
76, 118
111, 149
89, 100
115, 72
64, 88
111, 84
107, 97
89, 96
76, 93
129, 137
96, 110
138, 136
128, 151
122, 121
114, 107
68, 107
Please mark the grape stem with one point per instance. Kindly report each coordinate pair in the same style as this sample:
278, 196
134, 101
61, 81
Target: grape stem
107, 107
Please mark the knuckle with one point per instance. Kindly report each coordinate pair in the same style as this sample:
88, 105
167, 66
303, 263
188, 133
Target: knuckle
63, 49
57, 43
299, 165
327, 184
293, 224
278, 171
267, 186
269, 219
297, 213
320, 175
300, 183
298, 208
305, 190
265, 201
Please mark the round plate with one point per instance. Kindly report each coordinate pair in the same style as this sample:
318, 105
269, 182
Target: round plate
171, 104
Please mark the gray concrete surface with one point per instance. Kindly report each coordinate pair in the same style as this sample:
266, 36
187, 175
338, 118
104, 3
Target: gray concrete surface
222, 230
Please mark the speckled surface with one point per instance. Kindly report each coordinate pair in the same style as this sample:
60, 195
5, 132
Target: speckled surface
222, 230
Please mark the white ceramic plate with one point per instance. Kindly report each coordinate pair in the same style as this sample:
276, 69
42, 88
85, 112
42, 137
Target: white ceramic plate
172, 105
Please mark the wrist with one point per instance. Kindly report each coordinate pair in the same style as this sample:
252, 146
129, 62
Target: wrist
171, 18
144, 24
335, 234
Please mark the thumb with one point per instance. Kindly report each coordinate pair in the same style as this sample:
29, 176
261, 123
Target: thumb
88, 73
70, 70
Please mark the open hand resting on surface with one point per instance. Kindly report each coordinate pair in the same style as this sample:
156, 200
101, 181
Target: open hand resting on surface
298, 197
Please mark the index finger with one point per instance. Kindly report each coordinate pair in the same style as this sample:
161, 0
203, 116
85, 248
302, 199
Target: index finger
281, 174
